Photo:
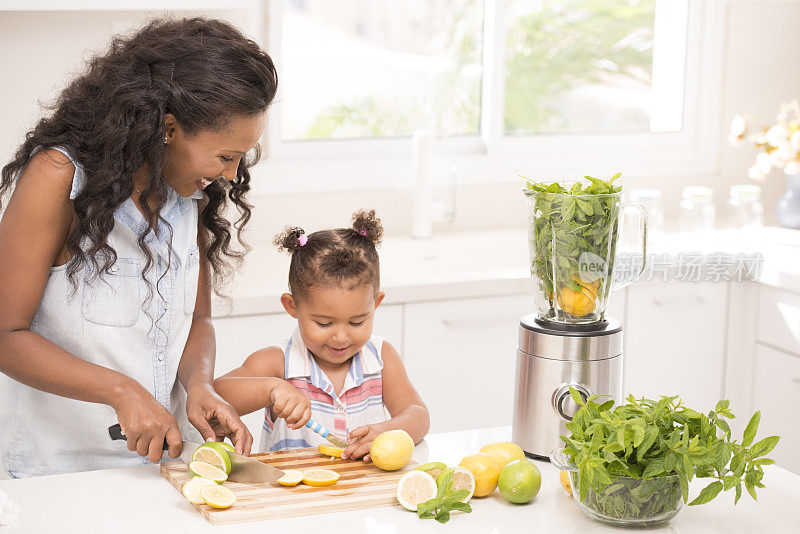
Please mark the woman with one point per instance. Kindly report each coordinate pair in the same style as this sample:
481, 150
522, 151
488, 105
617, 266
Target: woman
111, 242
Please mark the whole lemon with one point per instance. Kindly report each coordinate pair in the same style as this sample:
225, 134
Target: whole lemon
520, 481
565, 482
485, 469
503, 452
391, 450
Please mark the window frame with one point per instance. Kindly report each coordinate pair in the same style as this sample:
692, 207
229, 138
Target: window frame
492, 157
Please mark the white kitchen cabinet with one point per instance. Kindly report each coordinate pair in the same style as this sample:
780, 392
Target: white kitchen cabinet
238, 337
675, 341
779, 318
777, 394
461, 354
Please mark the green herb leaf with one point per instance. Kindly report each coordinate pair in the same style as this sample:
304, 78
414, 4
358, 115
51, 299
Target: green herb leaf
708, 493
764, 446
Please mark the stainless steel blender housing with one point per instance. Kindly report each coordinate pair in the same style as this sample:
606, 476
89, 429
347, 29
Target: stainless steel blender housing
550, 359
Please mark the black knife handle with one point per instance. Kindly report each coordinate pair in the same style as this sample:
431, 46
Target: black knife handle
116, 433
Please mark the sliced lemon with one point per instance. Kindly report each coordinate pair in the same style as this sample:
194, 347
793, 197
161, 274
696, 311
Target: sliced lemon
191, 490
218, 496
203, 469
462, 479
414, 488
320, 477
291, 477
213, 453
228, 446
333, 452
433, 468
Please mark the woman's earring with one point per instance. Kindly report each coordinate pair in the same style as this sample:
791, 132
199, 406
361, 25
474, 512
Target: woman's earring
165, 140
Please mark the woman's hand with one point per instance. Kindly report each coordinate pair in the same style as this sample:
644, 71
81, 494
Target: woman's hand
216, 419
290, 404
147, 424
361, 440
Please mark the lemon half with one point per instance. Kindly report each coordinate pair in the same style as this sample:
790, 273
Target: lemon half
414, 488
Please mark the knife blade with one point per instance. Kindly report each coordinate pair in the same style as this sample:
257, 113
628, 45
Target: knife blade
243, 469
325, 433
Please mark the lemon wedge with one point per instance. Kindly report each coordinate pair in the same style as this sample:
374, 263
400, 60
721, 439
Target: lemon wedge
213, 453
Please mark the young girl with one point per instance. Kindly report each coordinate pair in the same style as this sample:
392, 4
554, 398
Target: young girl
333, 368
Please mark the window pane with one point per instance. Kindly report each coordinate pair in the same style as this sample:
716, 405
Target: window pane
380, 68
587, 66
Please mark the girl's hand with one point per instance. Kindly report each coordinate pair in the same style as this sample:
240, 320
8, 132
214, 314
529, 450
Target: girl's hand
360, 441
147, 424
290, 404
216, 419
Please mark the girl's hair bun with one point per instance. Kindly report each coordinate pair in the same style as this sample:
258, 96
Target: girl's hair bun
289, 239
368, 225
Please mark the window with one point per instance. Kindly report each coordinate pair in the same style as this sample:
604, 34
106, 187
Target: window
366, 68
512, 85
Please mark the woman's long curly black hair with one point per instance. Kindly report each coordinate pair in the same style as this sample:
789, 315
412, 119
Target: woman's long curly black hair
111, 119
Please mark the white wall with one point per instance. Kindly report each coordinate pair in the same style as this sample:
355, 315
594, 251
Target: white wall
761, 69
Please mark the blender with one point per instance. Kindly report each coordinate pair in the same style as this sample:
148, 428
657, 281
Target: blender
569, 342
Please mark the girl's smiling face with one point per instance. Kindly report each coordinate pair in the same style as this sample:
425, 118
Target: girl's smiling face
191, 162
335, 321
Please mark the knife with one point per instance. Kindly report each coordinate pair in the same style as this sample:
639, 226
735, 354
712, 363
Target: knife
243, 469
325, 433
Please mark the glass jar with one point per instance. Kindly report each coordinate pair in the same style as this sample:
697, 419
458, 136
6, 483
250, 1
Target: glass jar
745, 207
697, 211
650, 200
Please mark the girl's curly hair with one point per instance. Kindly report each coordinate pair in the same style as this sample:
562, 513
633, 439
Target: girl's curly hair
340, 256
111, 119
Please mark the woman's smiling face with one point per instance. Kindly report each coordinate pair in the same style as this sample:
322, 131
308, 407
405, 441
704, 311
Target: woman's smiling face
191, 162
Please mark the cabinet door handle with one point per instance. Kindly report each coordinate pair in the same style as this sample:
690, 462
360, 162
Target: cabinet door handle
679, 302
481, 320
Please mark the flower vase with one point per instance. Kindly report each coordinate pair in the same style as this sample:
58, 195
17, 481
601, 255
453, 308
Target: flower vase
788, 208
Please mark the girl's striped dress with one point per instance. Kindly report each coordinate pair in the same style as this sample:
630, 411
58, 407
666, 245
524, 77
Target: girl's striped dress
360, 403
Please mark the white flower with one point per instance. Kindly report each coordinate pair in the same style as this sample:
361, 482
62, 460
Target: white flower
776, 160
738, 126
792, 167
795, 140
755, 174
787, 151
764, 163
777, 135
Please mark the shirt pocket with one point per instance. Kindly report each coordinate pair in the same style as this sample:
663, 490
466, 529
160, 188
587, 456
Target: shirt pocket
113, 298
190, 275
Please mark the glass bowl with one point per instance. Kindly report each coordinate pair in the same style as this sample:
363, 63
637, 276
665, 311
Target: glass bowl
627, 501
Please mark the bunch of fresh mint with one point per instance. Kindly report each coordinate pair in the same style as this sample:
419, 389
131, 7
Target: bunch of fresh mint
646, 439
565, 223
447, 499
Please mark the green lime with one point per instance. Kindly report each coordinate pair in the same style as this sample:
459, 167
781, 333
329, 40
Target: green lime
213, 453
432, 468
227, 446
520, 481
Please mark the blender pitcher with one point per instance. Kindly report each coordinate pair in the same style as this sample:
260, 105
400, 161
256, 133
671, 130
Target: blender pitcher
573, 249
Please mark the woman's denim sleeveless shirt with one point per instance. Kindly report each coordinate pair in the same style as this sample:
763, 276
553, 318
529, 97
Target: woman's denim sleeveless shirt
111, 320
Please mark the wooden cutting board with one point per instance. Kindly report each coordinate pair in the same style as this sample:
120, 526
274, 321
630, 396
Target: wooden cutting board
361, 485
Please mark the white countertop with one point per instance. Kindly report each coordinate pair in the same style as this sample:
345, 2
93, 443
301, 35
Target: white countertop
476, 264
139, 499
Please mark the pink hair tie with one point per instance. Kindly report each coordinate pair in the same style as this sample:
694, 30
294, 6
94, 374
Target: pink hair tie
302, 239
363, 232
